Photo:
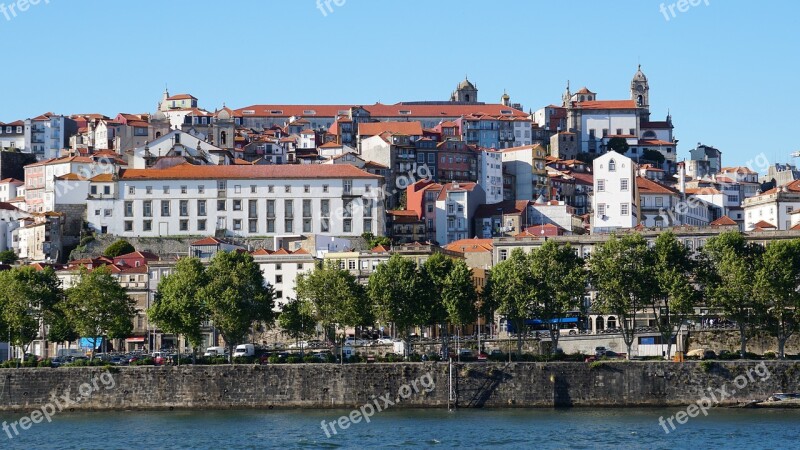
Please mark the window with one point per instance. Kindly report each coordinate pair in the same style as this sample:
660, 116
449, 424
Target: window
131, 190
612, 166
165, 206
348, 208
659, 201
367, 207
348, 186
253, 188
237, 189
623, 184
278, 294
128, 209
184, 189
735, 199
367, 226
623, 209
601, 185
237, 224
307, 189
252, 209
237, 205
287, 189
147, 225
183, 225
619, 131
201, 208
252, 226
201, 189
325, 188
270, 208
201, 225
184, 208
93, 190
278, 279
306, 208
128, 225
351, 264
271, 189
166, 189
148, 190
288, 209
632, 132
278, 266
288, 226
601, 209
221, 185
270, 225
307, 226
503, 255
220, 205
147, 208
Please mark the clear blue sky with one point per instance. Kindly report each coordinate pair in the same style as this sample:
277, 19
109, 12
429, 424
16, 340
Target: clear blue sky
720, 68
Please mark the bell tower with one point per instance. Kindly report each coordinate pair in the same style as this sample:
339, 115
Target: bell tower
640, 90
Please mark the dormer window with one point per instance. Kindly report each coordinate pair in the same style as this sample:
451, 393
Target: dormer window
612, 166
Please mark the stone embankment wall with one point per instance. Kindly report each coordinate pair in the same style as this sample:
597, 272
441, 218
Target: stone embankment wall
492, 385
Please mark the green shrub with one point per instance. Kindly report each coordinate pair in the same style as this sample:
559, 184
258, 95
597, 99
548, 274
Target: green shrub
119, 247
310, 359
770, 355
595, 365
294, 359
274, 359
707, 366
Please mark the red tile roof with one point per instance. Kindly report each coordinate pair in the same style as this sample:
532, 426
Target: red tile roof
182, 97
379, 110
723, 221
647, 186
793, 186
607, 104
207, 241
376, 128
456, 187
474, 245
703, 191
764, 225
302, 171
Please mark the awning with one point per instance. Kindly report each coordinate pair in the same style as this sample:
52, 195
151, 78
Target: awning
88, 342
135, 339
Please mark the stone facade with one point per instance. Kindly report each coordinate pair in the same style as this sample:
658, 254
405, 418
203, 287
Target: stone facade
623, 384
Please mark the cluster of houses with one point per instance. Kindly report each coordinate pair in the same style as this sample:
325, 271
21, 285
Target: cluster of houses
295, 184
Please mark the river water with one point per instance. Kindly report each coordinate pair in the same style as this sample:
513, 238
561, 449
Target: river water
437, 429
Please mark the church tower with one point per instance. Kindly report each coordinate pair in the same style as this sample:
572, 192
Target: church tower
565, 98
640, 90
466, 92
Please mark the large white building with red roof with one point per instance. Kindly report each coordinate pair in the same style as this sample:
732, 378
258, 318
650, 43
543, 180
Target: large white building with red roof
775, 207
240, 201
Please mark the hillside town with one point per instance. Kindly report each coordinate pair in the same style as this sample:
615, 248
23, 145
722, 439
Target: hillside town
300, 186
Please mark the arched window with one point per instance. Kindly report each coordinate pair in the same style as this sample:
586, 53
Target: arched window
223, 137
640, 100
649, 135
612, 166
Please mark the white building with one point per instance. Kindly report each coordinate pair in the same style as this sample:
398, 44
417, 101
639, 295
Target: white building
178, 143
12, 135
614, 203
47, 135
41, 177
9, 189
281, 268
774, 207
455, 209
490, 174
239, 200
10, 218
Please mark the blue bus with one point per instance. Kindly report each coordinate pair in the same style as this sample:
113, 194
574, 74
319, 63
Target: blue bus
570, 325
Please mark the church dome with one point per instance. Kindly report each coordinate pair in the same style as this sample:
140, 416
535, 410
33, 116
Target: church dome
466, 84
640, 76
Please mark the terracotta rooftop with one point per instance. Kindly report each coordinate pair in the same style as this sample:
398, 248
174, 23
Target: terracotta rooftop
723, 221
376, 128
281, 172
647, 186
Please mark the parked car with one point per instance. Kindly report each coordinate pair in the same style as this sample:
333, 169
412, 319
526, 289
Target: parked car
244, 350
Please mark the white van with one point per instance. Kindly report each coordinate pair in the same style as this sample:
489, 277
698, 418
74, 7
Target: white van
212, 352
244, 350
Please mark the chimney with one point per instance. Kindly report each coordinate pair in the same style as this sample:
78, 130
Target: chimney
682, 178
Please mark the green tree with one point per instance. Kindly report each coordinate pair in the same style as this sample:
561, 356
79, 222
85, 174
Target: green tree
562, 275
777, 286
98, 306
178, 308
400, 292
26, 298
8, 257
437, 268
119, 247
622, 274
296, 319
676, 293
336, 297
236, 297
374, 241
60, 329
515, 291
732, 263
459, 296
653, 155
618, 144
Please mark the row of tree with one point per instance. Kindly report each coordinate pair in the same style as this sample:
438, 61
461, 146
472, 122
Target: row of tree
34, 306
754, 286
